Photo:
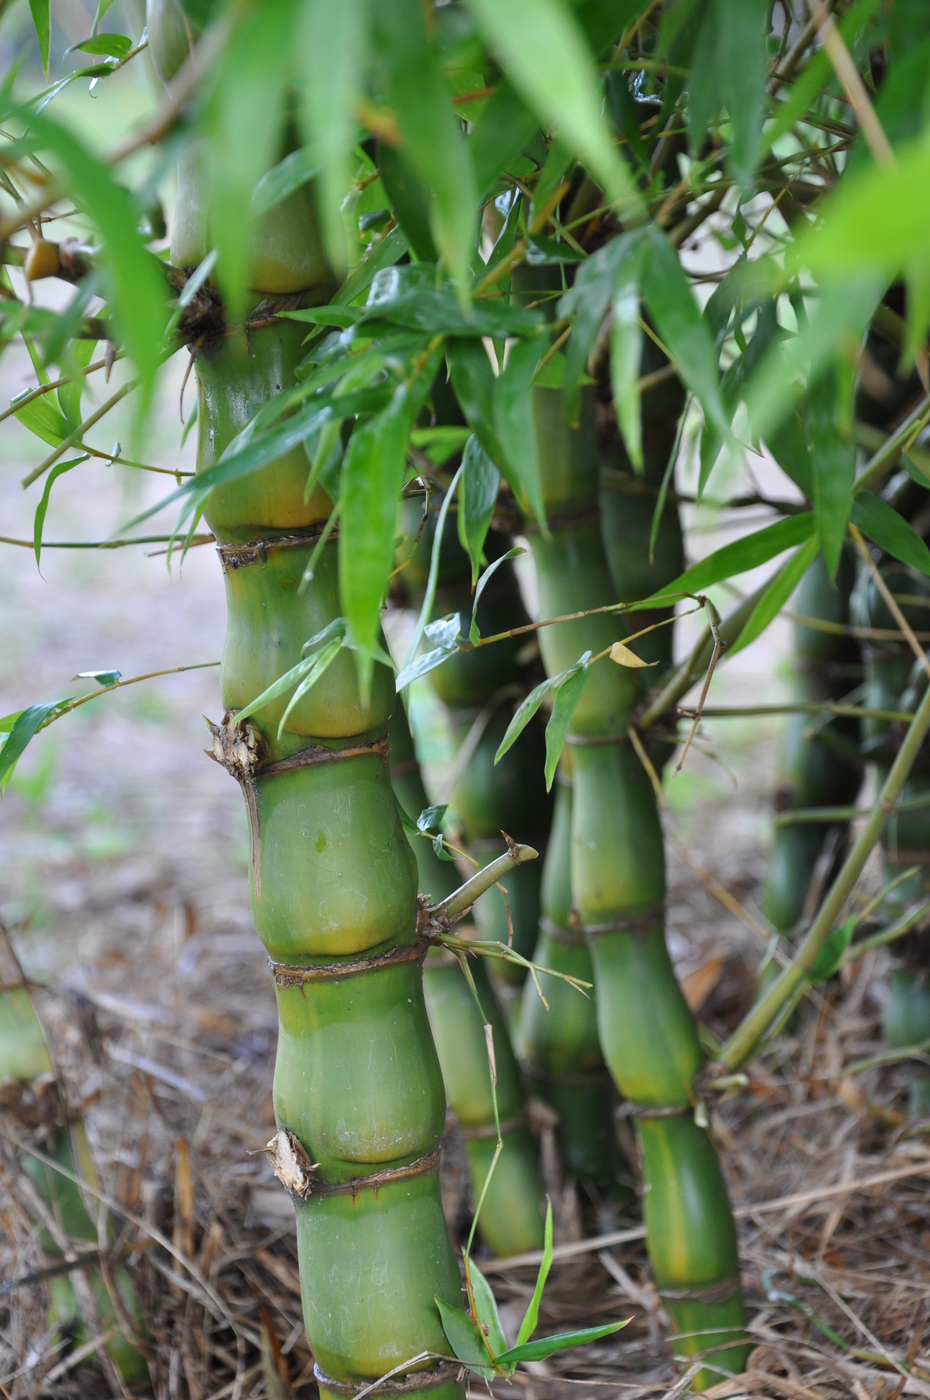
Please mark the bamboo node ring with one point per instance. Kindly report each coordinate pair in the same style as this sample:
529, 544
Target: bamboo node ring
644, 1110
240, 556
297, 975
295, 1171
415, 1383
640, 924
709, 1295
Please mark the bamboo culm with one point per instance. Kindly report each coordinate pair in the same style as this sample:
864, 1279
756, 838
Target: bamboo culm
33, 1102
819, 763
358, 1091
511, 1218
648, 1035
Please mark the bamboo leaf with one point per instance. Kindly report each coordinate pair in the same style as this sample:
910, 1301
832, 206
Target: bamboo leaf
244, 121
385, 254
546, 56
277, 688
43, 419
41, 18
432, 135
525, 712
332, 40
747, 553
80, 354
776, 595
486, 1308
477, 498
136, 290
372, 477
103, 678
741, 62
465, 1339
548, 1346
441, 443
474, 636
41, 509
843, 311
473, 380
625, 657
586, 303
421, 666
515, 429
443, 633
283, 180
566, 695
104, 45
321, 663
414, 297
833, 457
890, 531
667, 292
831, 954
430, 819
531, 1317
818, 71
500, 133
22, 727
626, 346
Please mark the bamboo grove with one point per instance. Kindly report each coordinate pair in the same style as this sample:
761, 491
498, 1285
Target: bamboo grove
459, 353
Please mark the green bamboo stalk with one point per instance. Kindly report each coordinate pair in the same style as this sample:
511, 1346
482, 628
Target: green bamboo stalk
749, 1035
480, 689
818, 763
648, 1035
512, 1209
559, 1043
358, 1091
26, 1067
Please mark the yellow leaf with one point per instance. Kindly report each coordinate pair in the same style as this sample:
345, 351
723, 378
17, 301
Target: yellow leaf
624, 657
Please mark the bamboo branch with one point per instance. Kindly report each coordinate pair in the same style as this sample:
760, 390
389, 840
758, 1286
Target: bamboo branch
750, 1034
464, 897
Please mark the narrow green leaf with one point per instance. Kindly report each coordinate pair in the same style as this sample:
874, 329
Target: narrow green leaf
321, 664
546, 56
667, 293
244, 119
431, 131
525, 712
741, 62
833, 457
831, 954
43, 418
586, 303
473, 380
515, 428
41, 509
105, 45
747, 553
842, 314
332, 40
421, 666
80, 354
278, 688
626, 346
486, 1308
430, 819
500, 133
531, 1317
372, 477
285, 179
474, 635
385, 254
565, 702
441, 443
136, 289
548, 1346
24, 728
445, 637
777, 594
42, 21
465, 1339
890, 531
104, 678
